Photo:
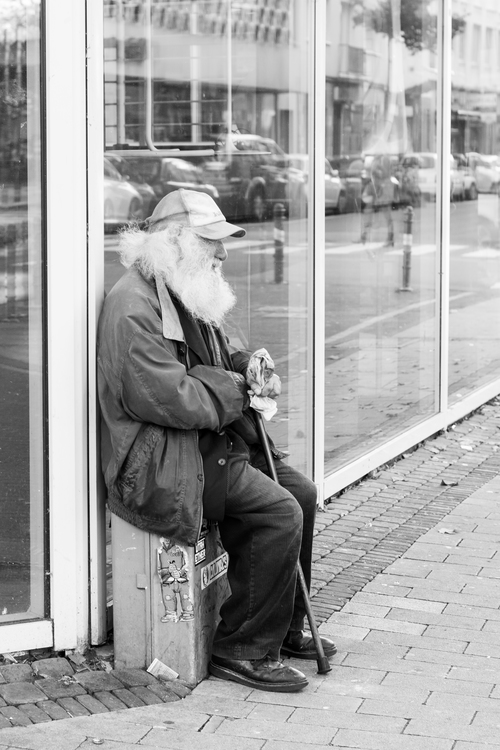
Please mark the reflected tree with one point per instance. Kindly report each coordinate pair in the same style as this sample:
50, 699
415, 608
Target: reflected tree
408, 25
416, 21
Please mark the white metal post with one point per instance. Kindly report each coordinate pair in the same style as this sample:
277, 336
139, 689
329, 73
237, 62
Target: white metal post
443, 201
316, 233
95, 199
66, 195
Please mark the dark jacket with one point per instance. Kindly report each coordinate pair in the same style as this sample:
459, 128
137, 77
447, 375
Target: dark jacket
153, 407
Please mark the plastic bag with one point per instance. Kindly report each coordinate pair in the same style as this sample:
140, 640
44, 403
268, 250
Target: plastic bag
260, 370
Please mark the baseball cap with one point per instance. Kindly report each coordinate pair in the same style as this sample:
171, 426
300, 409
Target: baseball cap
196, 210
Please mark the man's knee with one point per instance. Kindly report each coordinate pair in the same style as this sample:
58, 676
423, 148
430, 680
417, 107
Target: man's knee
302, 488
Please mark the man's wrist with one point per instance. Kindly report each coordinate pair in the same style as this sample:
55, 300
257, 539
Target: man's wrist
241, 383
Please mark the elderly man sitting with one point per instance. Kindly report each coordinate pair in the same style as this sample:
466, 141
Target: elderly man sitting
179, 440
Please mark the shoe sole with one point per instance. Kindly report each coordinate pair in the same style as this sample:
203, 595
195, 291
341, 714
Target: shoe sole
309, 655
224, 673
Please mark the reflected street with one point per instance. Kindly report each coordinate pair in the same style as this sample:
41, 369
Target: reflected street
365, 304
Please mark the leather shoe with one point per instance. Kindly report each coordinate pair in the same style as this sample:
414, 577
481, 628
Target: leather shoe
261, 674
300, 645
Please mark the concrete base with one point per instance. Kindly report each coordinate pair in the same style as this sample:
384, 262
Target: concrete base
166, 599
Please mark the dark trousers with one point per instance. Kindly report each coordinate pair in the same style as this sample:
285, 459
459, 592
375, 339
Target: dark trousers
265, 528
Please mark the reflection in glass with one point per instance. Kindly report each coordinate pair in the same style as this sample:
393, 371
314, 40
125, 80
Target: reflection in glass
21, 359
213, 96
475, 239
381, 324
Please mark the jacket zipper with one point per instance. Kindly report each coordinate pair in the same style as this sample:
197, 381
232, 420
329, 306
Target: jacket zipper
183, 349
200, 524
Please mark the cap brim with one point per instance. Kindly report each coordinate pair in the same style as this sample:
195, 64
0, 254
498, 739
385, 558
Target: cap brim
219, 230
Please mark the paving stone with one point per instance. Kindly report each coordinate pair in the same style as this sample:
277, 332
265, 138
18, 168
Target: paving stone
302, 736
4, 722
52, 709
321, 718
92, 704
54, 689
148, 697
438, 684
110, 701
15, 693
133, 677
167, 695
379, 623
94, 681
16, 717
450, 730
128, 698
397, 665
405, 639
35, 713
456, 703
431, 618
54, 668
73, 707
178, 687
17, 673
461, 634
2, 702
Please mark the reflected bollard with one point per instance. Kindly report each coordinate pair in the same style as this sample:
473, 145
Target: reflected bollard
13, 270
407, 247
279, 242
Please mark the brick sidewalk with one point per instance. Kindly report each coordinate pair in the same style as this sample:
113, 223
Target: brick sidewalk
374, 522
52, 689
407, 581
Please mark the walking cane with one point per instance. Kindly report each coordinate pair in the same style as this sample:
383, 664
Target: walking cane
321, 659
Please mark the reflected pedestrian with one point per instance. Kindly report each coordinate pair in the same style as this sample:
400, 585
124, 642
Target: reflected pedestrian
377, 198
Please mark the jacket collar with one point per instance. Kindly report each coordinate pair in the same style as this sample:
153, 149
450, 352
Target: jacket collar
193, 335
171, 325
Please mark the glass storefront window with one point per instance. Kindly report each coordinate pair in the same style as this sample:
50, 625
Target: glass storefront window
381, 282
214, 97
22, 544
475, 223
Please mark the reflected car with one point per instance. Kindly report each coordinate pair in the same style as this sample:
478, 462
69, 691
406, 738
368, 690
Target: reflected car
335, 193
251, 174
419, 178
486, 170
129, 173
164, 174
350, 169
122, 202
468, 176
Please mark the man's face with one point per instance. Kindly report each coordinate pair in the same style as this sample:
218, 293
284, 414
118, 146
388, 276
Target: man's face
215, 249
197, 279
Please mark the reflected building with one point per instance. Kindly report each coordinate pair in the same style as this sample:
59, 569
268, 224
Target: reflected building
475, 80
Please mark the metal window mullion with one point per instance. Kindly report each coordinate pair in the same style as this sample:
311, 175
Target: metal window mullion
67, 364
317, 233
95, 219
148, 74
443, 200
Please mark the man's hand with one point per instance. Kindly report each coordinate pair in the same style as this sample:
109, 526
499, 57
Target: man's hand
271, 389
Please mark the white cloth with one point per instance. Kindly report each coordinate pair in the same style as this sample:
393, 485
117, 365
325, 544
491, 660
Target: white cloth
260, 369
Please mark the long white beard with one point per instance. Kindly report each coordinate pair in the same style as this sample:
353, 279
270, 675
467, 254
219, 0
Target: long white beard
186, 262
198, 282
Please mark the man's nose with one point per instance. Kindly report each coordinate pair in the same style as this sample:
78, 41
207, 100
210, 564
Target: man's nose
221, 252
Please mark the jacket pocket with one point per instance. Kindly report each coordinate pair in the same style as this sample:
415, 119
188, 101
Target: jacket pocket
156, 478
139, 457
